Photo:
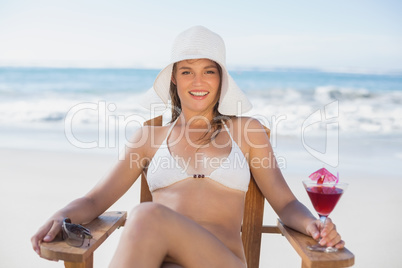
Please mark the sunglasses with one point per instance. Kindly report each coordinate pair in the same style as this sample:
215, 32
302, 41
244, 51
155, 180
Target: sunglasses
75, 234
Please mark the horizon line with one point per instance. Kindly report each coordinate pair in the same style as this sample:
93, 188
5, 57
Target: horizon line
231, 67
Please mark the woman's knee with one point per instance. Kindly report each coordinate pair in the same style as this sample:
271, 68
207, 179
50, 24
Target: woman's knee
147, 215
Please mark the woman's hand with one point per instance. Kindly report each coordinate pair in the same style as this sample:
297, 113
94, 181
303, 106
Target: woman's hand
47, 232
327, 232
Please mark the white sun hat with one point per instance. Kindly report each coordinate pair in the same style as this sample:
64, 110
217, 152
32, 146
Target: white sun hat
199, 42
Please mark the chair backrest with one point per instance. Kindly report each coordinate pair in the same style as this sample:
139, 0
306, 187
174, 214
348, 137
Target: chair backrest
252, 228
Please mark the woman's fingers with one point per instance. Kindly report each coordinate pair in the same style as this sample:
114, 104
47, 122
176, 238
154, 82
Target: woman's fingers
38, 237
54, 230
46, 233
325, 233
340, 244
330, 235
314, 229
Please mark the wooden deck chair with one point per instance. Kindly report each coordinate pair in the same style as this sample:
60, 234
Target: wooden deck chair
252, 230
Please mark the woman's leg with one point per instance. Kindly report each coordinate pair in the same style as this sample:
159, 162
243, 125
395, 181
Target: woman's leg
153, 233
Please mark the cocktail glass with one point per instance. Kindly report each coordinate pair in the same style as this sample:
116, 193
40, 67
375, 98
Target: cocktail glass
324, 198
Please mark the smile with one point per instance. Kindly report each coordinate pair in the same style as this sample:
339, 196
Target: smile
199, 93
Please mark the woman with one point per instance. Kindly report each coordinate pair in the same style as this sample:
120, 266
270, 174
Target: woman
198, 170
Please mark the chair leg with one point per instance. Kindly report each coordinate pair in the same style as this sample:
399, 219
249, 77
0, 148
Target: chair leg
88, 263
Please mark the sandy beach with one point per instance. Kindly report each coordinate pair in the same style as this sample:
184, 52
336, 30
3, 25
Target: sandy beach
35, 183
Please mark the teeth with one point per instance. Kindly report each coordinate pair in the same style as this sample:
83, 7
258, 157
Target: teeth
198, 94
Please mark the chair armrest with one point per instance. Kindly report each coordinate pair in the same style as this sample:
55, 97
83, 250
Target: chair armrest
100, 228
299, 241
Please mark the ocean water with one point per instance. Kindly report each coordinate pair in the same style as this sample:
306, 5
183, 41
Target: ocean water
43, 107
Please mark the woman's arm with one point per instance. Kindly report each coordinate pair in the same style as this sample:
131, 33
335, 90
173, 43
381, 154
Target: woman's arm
273, 186
104, 194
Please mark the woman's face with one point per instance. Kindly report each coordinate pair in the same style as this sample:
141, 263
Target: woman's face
197, 84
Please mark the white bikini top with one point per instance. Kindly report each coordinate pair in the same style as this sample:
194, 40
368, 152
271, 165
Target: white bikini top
164, 169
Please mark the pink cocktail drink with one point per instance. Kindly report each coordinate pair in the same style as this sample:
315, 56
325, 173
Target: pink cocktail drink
324, 198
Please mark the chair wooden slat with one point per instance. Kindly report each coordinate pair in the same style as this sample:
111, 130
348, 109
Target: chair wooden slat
268, 229
252, 224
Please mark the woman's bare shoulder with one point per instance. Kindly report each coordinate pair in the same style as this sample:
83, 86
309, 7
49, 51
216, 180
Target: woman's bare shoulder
148, 138
247, 132
247, 125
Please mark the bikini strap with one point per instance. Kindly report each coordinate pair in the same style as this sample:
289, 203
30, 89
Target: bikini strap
227, 129
170, 129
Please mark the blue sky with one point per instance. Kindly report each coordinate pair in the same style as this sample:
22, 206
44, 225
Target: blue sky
353, 34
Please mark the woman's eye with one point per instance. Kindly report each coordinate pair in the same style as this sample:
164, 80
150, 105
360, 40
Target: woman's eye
185, 72
210, 72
